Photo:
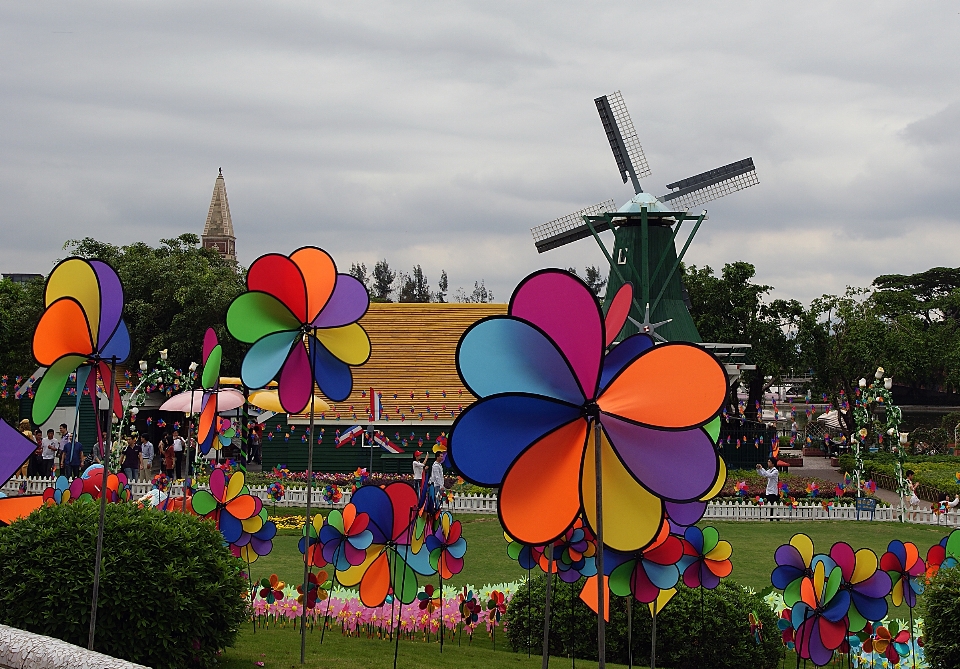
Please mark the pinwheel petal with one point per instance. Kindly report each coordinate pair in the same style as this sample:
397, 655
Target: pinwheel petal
279, 277
110, 307
332, 375
458, 548
895, 559
319, 274
672, 369
643, 590
266, 357
624, 531
243, 507
651, 456
694, 537
254, 315
117, 347
870, 608
76, 278
617, 312
404, 580
622, 355
361, 540
63, 330
721, 552
451, 565
538, 499
211, 368
814, 647
349, 343
563, 307
218, 485
832, 632
804, 546
491, 433
664, 576
235, 487
230, 527
505, 355
711, 539
621, 578
373, 501
206, 430
348, 304
353, 555
404, 502
51, 385
295, 385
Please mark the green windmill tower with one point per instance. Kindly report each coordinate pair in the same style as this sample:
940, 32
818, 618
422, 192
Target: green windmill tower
646, 229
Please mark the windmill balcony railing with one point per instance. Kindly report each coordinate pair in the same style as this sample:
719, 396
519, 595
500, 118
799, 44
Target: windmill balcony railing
733, 510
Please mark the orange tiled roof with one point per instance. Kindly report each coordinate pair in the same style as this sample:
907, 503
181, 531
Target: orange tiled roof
413, 350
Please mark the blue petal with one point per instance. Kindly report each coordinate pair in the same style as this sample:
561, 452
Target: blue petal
118, 346
664, 576
373, 501
871, 608
331, 374
457, 548
230, 527
694, 537
362, 540
265, 357
505, 355
622, 355
837, 608
489, 435
419, 562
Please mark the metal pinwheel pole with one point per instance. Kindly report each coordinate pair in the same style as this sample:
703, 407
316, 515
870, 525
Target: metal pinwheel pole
187, 454
105, 459
601, 623
306, 553
546, 608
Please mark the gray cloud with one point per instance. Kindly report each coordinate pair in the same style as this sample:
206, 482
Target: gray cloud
438, 133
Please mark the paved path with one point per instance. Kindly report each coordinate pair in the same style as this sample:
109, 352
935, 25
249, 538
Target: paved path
820, 467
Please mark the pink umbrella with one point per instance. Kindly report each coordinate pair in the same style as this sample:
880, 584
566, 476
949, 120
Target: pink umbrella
227, 399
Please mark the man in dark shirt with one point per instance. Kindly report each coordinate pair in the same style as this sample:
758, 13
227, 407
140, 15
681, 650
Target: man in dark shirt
72, 454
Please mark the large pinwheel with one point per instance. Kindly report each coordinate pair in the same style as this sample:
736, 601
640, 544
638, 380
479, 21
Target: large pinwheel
943, 555
903, 563
81, 325
526, 555
389, 563
230, 504
544, 384
820, 617
868, 587
644, 574
447, 547
706, 558
793, 564
300, 316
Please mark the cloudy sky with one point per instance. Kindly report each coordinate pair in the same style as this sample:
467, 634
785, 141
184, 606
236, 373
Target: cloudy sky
439, 133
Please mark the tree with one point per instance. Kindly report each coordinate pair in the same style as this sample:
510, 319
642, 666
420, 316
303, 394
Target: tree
359, 272
21, 305
480, 294
592, 278
414, 287
174, 292
383, 278
731, 309
442, 286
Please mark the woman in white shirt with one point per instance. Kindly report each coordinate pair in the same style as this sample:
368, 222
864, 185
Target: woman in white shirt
772, 475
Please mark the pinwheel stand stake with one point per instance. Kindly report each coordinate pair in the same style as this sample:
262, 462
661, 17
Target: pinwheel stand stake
306, 560
546, 610
601, 624
103, 509
403, 588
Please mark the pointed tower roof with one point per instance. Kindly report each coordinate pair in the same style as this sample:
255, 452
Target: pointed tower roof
218, 230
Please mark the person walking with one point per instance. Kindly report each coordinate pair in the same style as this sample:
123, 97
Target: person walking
131, 460
178, 453
914, 498
146, 456
436, 482
773, 482
166, 451
50, 448
27, 468
72, 455
36, 460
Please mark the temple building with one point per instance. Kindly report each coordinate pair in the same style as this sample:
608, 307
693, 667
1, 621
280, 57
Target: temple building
218, 230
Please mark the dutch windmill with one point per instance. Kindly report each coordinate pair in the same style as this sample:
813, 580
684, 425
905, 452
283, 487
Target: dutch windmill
645, 229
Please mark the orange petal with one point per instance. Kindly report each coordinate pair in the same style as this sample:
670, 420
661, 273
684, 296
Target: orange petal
63, 330
376, 582
349, 514
674, 385
539, 499
242, 507
320, 275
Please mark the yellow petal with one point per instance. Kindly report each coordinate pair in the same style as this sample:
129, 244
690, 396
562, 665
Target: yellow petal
718, 484
866, 565
804, 544
349, 343
722, 551
235, 486
352, 576
75, 278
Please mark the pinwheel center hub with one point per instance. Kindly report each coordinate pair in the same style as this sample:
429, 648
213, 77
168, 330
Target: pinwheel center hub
591, 411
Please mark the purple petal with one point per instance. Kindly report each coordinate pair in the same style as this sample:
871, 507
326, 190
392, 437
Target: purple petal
347, 304
261, 547
678, 465
565, 309
788, 556
111, 300
687, 513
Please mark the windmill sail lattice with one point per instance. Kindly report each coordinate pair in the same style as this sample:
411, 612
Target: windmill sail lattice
711, 185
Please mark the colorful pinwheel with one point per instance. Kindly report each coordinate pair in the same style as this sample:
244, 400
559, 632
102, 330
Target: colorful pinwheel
310, 542
331, 493
706, 559
470, 608
643, 574
447, 547
868, 587
427, 601
903, 563
496, 605
208, 431
389, 563
276, 491
160, 482
318, 589
230, 504
742, 489
793, 564
272, 589
300, 316
573, 554
543, 383
256, 539
81, 325
943, 555
820, 617
345, 538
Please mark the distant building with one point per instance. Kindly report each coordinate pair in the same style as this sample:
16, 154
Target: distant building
218, 230
23, 278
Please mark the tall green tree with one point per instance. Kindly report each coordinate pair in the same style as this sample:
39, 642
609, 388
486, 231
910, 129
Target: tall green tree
20, 308
174, 292
414, 287
383, 278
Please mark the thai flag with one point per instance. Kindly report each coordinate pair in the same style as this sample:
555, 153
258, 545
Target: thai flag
381, 440
376, 406
348, 436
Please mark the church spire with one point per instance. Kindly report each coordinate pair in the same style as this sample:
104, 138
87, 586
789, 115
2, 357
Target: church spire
218, 230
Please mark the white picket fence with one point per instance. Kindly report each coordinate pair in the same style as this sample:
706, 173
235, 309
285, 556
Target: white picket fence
487, 504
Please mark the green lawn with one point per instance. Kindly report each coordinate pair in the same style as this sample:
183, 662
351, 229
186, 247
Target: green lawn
753, 544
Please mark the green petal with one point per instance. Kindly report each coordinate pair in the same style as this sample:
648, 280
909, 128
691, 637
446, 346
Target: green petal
513, 549
404, 578
51, 386
620, 579
857, 621
435, 558
211, 370
203, 503
833, 584
335, 519
254, 315
710, 539
953, 545
713, 429
791, 594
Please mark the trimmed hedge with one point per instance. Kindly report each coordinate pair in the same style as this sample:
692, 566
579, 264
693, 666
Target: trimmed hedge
171, 594
940, 609
937, 471
697, 628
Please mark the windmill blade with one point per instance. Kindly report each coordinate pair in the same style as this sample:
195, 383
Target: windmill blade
712, 184
569, 228
623, 139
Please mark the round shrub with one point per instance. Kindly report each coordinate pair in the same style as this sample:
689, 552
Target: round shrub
691, 632
171, 594
940, 609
